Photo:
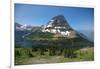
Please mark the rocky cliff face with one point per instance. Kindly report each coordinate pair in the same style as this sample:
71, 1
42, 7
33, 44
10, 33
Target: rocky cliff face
59, 25
59, 21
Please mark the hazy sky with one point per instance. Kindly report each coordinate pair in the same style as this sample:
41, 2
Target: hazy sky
37, 15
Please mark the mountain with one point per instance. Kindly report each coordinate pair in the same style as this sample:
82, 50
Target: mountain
21, 30
57, 32
60, 26
26, 27
19, 27
59, 21
89, 34
24, 30
17, 24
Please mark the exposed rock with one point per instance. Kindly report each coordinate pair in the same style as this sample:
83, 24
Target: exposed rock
59, 25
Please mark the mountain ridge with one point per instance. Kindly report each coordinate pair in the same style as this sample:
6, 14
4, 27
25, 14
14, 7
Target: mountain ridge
59, 25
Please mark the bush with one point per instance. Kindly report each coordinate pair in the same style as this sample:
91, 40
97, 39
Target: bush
24, 52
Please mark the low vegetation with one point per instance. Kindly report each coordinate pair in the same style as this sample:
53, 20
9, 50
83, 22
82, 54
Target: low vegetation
32, 56
47, 50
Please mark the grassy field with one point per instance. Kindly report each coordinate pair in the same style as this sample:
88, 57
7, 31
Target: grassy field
25, 56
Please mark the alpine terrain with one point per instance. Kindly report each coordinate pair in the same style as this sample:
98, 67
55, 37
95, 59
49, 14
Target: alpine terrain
52, 43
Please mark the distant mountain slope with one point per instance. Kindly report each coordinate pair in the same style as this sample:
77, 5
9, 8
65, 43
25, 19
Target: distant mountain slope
47, 39
19, 32
17, 24
59, 25
57, 32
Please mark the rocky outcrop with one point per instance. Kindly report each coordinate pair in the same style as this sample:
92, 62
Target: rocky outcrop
59, 25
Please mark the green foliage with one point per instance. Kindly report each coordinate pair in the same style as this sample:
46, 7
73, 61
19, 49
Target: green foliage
86, 54
24, 55
44, 46
23, 52
40, 35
